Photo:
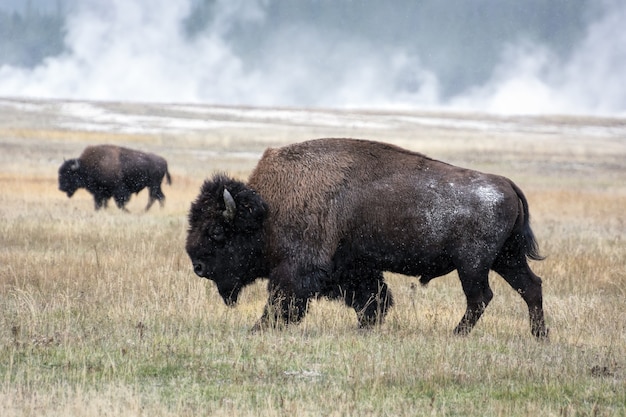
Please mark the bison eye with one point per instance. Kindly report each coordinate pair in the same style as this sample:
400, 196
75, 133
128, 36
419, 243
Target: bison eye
216, 233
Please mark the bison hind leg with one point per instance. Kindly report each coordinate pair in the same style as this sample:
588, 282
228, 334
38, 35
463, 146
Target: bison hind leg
155, 194
100, 202
478, 294
515, 271
121, 197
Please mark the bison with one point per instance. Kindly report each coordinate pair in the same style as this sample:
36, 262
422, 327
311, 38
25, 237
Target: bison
326, 217
113, 171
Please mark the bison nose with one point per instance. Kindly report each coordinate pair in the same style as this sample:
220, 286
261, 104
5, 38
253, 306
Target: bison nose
198, 268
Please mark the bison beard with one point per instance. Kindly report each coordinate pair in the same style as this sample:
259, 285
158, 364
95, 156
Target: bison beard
327, 217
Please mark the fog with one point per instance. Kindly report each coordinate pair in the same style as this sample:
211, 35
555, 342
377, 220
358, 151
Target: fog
498, 56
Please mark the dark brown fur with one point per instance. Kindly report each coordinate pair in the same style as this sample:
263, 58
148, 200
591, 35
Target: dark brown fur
333, 214
112, 171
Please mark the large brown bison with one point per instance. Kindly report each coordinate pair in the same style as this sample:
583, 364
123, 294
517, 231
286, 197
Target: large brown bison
327, 217
113, 171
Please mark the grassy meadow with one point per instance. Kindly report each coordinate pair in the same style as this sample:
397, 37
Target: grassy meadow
102, 315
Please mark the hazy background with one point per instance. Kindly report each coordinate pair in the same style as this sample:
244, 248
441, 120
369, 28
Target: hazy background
503, 56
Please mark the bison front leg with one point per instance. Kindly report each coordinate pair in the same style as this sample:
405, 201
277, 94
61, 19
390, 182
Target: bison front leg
478, 295
376, 306
371, 299
290, 289
281, 310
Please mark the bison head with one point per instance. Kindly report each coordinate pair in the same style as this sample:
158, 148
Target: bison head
70, 178
226, 238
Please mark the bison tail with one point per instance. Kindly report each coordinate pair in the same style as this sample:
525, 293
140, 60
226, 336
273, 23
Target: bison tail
168, 177
526, 237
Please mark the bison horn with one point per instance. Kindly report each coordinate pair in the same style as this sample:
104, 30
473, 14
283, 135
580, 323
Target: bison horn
75, 165
231, 206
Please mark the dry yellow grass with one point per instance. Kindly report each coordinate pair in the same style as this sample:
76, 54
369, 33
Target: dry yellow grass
101, 314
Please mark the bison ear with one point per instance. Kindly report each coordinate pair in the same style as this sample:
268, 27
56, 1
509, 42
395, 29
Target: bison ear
75, 165
231, 206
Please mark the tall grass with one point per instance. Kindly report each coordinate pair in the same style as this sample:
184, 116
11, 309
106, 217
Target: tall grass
101, 314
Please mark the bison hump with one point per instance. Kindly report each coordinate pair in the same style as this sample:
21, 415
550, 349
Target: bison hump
295, 177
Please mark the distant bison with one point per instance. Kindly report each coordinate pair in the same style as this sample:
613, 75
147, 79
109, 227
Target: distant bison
113, 171
327, 217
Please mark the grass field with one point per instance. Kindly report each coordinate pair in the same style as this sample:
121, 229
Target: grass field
101, 314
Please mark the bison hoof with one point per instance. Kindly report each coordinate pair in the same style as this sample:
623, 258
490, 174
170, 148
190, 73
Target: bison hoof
542, 334
264, 324
370, 324
258, 327
462, 330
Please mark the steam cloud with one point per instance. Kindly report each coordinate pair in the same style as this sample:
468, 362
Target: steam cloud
529, 79
133, 50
